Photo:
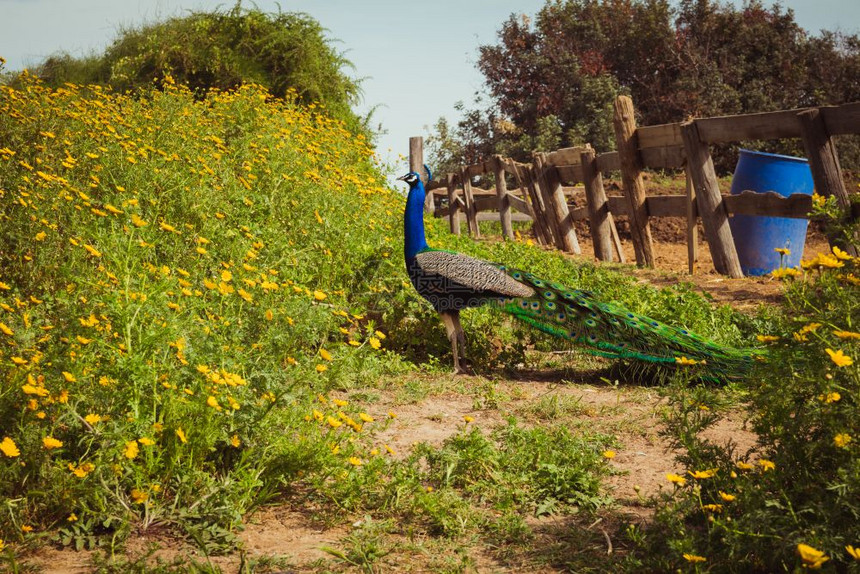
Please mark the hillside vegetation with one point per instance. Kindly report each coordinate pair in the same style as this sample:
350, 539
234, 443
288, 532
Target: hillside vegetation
285, 52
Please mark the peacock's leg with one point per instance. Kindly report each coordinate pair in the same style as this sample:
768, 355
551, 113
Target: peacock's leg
451, 320
460, 334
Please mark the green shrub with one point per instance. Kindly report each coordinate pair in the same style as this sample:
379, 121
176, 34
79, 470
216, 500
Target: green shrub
794, 500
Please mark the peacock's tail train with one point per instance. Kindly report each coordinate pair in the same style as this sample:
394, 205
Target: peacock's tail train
611, 331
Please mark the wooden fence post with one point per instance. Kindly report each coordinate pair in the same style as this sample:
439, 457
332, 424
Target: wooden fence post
824, 163
692, 225
559, 214
624, 123
526, 182
598, 207
416, 164
453, 205
471, 208
549, 222
710, 202
502, 194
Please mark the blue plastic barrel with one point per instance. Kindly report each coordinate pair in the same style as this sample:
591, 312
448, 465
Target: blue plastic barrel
755, 236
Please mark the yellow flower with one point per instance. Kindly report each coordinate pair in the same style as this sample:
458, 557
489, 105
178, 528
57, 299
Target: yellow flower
137, 221
319, 295
355, 461
727, 497
702, 474
468, 419
325, 355
92, 250
783, 251
83, 470
374, 342
744, 466
321, 368
38, 391
72, 517
840, 358
676, 479
181, 434
608, 454
694, 558
829, 261
842, 439
830, 397
766, 465
784, 272
340, 402
854, 552
26, 528
19, 360
138, 496
226, 276
70, 378
167, 227
213, 402
365, 417
9, 448
93, 418
6, 330
235, 441
767, 338
713, 507
145, 441
50, 442
41, 236
847, 334
811, 557
333, 422
840, 254
685, 361
131, 449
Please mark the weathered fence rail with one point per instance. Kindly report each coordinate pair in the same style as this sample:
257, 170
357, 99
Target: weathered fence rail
539, 191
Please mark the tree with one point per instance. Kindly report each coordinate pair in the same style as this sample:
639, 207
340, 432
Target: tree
704, 58
285, 52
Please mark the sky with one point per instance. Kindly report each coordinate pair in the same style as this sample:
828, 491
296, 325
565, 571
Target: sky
417, 59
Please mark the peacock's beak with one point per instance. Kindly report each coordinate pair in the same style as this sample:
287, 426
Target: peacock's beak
403, 177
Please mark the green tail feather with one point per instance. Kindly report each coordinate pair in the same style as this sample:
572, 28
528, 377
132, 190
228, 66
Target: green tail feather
611, 331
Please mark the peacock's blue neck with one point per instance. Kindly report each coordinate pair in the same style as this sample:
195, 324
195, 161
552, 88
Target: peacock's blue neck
413, 222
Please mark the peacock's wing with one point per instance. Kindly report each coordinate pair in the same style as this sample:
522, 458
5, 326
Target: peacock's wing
460, 272
613, 331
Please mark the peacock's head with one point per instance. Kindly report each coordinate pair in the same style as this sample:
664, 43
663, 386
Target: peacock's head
411, 178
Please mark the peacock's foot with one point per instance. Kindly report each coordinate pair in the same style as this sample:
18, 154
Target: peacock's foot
464, 367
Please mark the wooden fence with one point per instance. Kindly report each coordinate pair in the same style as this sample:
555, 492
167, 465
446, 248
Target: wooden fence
542, 186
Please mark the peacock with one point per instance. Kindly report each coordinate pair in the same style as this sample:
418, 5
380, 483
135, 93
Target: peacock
453, 281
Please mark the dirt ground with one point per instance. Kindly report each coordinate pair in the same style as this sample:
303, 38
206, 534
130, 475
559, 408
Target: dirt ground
632, 414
